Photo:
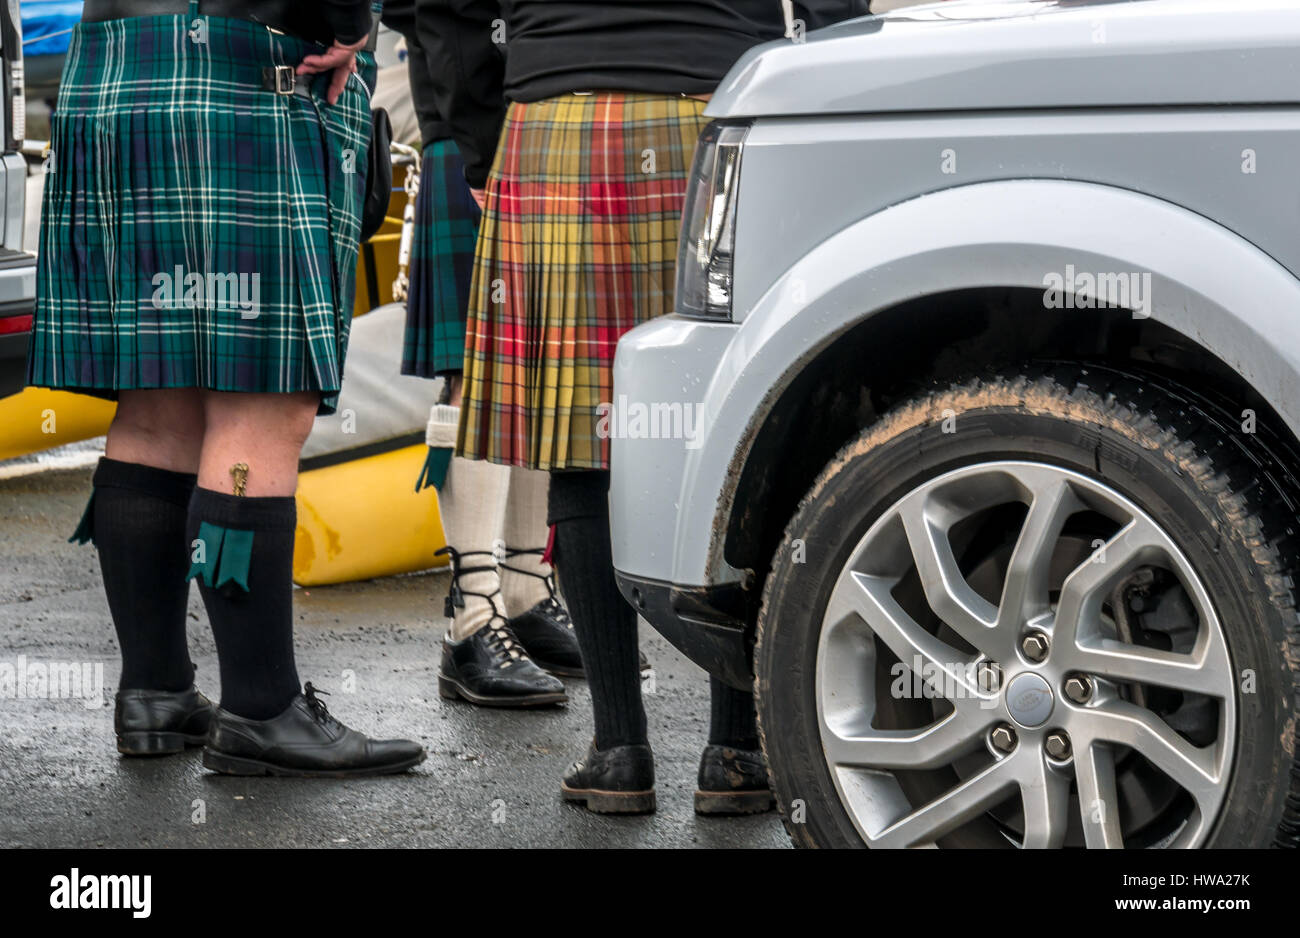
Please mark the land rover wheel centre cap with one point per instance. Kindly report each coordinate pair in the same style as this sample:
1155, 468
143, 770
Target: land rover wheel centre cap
1029, 699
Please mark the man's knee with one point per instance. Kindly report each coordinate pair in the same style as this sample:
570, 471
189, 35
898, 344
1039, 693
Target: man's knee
270, 418
161, 419
296, 418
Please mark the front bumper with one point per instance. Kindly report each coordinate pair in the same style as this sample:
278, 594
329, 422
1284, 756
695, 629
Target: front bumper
705, 623
661, 516
17, 300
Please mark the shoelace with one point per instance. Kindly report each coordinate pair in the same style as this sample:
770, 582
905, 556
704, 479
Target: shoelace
317, 706
456, 595
502, 641
499, 638
558, 612
552, 602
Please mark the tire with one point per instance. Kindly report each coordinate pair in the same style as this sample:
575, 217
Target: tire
1189, 641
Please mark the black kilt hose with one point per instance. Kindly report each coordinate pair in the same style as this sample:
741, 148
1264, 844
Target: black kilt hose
198, 229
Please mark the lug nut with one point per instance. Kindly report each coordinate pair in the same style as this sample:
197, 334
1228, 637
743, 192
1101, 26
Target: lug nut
1078, 688
1003, 738
988, 676
1035, 646
1058, 745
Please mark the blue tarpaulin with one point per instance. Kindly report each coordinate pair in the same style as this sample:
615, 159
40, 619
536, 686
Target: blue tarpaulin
47, 25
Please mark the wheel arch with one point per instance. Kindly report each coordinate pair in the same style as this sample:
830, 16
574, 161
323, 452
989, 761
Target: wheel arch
955, 280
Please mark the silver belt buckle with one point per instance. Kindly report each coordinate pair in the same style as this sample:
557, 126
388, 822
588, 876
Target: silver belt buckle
284, 79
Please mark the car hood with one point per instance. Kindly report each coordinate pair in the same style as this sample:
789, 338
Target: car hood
976, 55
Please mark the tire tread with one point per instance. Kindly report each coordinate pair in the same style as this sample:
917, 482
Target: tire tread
1256, 496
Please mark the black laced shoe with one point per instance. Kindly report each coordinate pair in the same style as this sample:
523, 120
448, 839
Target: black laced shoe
732, 781
618, 780
491, 668
306, 741
546, 632
159, 722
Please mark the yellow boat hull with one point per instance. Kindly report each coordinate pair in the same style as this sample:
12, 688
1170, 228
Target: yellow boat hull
36, 419
362, 519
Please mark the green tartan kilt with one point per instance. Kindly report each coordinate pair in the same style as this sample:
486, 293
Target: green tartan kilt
197, 230
442, 264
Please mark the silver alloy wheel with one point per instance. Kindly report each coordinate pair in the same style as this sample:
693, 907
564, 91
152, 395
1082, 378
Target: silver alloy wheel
912, 537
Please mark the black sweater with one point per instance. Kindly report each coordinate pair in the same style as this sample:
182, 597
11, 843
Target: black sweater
400, 15
320, 21
557, 46
349, 20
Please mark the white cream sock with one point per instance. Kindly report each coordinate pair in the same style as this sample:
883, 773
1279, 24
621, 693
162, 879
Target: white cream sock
473, 504
525, 529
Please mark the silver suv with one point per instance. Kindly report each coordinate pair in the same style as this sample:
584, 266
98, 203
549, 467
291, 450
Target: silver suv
972, 445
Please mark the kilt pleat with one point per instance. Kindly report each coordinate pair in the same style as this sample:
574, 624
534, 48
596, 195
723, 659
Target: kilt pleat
442, 264
197, 230
578, 245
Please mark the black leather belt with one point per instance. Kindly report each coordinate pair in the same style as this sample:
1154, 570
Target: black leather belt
284, 79
286, 16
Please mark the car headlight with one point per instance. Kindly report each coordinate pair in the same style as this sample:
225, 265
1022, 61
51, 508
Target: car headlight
704, 253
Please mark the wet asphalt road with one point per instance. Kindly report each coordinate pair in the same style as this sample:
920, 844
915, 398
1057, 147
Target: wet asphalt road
491, 778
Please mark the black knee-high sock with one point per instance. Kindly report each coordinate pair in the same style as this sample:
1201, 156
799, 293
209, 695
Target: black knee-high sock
139, 528
578, 506
731, 717
253, 628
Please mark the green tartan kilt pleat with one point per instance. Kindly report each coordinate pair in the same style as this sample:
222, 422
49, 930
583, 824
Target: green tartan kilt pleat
442, 264
197, 230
